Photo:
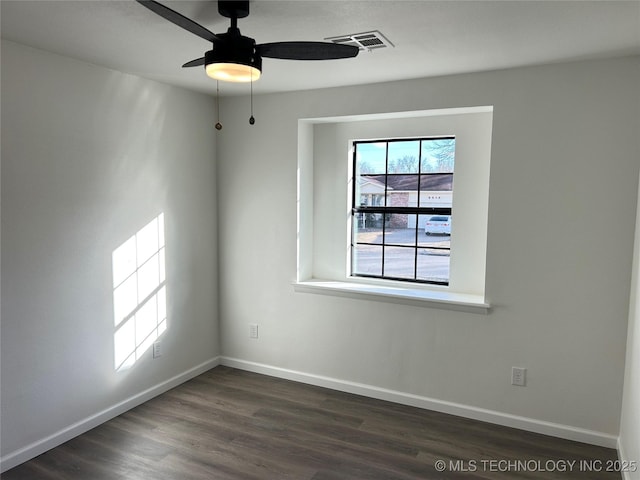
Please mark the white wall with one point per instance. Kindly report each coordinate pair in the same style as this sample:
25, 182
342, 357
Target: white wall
89, 156
563, 192
629, 445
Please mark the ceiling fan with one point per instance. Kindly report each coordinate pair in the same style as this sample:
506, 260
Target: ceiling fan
236, 58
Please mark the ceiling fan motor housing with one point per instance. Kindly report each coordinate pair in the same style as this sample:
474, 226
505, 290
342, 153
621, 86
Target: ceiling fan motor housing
234, 49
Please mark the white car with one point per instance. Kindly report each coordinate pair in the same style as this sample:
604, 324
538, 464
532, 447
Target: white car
438, 224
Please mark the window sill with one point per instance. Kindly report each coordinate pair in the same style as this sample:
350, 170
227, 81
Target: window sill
407, 296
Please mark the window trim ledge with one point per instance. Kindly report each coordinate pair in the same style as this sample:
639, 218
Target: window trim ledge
406, 296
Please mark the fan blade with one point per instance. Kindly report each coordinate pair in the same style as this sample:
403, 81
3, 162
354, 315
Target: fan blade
307, 50
194, 63
179, 19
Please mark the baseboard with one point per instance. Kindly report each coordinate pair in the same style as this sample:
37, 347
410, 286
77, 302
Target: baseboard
631, 468
523, 423
33, 450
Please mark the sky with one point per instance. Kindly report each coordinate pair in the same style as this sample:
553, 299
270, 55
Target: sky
373, 154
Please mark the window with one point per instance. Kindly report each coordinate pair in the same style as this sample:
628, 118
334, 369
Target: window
401, 209
328, 225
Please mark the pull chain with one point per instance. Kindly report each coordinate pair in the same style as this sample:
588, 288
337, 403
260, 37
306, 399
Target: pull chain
218, 124
252, 120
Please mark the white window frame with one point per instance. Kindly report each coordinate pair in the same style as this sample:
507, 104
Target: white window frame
324, 162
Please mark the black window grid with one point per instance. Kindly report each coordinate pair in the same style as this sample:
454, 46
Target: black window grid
385, 210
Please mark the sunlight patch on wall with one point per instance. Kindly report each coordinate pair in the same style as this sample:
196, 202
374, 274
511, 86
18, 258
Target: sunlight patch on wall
139, 293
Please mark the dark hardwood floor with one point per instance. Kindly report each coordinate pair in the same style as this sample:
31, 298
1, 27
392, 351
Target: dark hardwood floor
229, 424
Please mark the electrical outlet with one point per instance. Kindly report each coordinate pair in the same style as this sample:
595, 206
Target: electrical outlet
253, 330
157, 350
518, 376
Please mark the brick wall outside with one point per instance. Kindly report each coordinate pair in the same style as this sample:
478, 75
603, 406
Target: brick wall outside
399, 220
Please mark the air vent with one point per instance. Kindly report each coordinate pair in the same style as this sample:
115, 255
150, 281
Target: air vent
364, 41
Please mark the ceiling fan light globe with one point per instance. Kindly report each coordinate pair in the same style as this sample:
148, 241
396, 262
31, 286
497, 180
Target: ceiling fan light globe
232, 72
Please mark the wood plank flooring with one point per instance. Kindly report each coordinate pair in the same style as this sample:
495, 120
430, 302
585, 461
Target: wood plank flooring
227, 424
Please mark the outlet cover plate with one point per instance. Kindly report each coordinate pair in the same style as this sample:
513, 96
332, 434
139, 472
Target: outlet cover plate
519, 376
253, 330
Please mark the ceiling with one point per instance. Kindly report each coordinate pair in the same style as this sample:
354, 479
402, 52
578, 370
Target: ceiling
430, 38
